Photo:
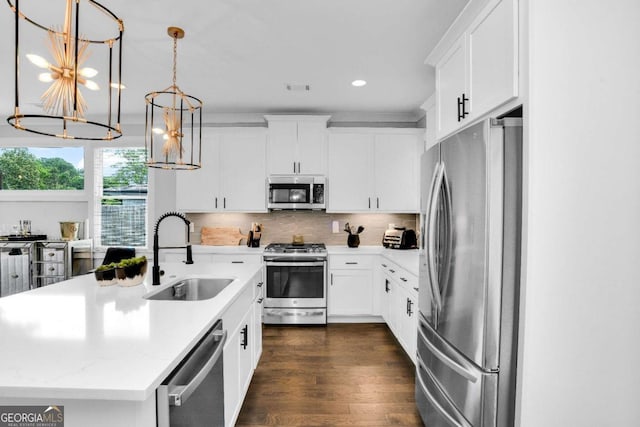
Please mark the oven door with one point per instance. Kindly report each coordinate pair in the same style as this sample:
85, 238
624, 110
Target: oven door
296, 283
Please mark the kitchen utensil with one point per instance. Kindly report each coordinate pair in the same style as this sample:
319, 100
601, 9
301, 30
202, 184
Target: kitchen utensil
360, 229
347, 228
298, 239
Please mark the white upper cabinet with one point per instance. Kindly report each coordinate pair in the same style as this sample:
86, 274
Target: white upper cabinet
479, 71
232, 177
374, 170
350, 172
297, 144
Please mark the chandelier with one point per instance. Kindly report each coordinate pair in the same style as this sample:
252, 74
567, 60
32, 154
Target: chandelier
80, 102
173, 123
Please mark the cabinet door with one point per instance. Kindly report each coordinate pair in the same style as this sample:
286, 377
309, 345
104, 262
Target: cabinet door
197, 190
282, 147
396, 173
350, 293
231, 358
350, 172
408, 323
493, 55
243, 171
312, 148
450, 84
245, 358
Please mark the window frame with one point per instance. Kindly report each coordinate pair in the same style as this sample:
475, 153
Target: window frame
96, 196
48, 195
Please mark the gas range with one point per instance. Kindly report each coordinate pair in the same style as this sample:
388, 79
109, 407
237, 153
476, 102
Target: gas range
290, 250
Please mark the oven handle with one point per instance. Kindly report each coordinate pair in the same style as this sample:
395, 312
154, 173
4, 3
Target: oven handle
289, 263
283, 313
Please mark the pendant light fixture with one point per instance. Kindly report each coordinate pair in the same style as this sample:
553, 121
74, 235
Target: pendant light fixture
80, 101
173, 124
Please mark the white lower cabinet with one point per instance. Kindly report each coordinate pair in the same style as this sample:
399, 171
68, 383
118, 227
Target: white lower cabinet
240, 349
399, 303
350, 290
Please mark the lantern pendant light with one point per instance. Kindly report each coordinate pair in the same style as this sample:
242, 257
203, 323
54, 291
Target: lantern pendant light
173, 124
65, 110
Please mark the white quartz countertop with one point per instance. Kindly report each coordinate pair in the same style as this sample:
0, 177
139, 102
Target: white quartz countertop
77, 340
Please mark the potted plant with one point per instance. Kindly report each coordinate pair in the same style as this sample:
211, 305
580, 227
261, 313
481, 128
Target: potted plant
106, 274
131, 271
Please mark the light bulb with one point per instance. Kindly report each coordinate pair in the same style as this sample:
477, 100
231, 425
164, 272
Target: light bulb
91, 85
88, 72
158, 131
45, 77
165, 137
358, 83
38, 61
116, 86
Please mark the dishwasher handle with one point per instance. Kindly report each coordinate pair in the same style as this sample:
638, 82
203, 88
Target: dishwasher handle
179, 393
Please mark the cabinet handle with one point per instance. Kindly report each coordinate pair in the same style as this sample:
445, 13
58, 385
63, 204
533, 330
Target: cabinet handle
52, 269
462, 113
386, 286
369, 202
409, 307
403, 279
224, 203
216, 203
392, 270
245, 337
237, 262
331, 279
294, 167
384, 265
260, 284
377, 202
298, 167
260, 300
14, 276
351, 262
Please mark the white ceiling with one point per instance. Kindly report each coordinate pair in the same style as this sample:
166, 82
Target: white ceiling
237, 56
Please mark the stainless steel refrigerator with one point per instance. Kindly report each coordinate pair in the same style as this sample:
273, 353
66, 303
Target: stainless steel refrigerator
471, 209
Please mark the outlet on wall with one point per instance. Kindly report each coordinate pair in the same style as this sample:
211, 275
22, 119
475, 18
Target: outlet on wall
335, 227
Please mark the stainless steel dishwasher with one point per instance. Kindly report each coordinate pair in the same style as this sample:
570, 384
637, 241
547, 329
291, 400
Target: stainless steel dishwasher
193, 394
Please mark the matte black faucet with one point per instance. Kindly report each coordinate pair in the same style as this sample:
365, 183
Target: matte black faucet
156, 247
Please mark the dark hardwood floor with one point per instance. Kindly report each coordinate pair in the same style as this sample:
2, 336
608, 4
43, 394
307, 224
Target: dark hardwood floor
338, 375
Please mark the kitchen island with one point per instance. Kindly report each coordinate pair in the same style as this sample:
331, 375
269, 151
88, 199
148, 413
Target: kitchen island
102, 351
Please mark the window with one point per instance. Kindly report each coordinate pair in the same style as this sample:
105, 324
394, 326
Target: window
42, 168
121, 197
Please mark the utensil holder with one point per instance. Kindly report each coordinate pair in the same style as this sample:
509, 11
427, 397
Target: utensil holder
353, 241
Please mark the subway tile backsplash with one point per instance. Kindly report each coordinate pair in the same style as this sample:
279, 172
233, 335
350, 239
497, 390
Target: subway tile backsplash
315, 226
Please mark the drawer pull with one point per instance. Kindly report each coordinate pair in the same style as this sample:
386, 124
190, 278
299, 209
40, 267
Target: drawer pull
391, 270
51, 254
260, 284
403, 279
14, 276
351, 263
237, 262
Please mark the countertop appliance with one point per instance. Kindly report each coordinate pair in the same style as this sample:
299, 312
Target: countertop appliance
296, 192
400, 238
296, 284
470, 216
193, 394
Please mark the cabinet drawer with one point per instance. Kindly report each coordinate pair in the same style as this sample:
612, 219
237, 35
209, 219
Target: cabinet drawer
238, 259
351, 262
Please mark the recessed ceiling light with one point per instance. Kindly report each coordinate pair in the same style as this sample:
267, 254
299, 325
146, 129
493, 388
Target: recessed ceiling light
358, 83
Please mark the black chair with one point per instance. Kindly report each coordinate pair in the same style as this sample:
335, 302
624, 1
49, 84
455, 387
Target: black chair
116, 254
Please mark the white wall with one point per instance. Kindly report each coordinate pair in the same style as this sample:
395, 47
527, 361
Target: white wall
581, 345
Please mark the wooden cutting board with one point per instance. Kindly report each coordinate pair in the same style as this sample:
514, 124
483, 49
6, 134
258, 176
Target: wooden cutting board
221, 236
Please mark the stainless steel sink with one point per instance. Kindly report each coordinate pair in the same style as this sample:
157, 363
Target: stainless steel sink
191, 289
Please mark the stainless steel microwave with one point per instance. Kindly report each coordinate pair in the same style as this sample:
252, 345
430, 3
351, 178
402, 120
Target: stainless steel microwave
296, 192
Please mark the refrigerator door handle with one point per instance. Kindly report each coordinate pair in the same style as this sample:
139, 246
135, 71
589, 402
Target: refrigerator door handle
455, 366
432, 236
458, 421
448, 227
